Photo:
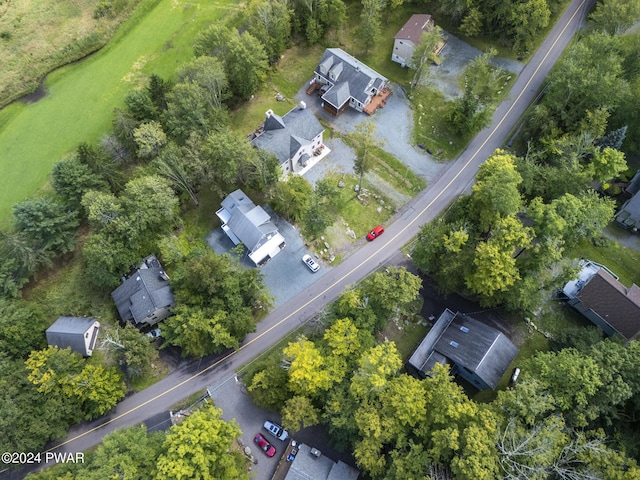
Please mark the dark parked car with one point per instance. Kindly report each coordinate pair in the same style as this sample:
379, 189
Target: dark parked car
265, 446
375, 233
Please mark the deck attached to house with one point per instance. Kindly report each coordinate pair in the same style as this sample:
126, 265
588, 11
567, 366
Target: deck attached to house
378, 101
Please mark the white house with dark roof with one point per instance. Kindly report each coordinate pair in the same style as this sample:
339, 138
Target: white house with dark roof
476, 352
408, 38
598, 295
245, 222
295, 138
346, 82
145, 297
78, 333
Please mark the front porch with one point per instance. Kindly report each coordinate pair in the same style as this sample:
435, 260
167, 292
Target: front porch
378, 101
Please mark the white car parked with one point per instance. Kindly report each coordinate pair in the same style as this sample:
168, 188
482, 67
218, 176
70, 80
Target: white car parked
276, 430
310, 262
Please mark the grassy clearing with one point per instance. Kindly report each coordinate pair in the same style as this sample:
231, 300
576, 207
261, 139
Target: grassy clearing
63, 291
292, 72
354, 214
621, 260
431, 126
37, 36
156, 39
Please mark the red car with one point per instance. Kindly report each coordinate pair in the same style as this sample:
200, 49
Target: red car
266, 447
375, 233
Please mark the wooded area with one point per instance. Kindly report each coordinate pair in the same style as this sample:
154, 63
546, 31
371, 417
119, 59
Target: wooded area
115, 202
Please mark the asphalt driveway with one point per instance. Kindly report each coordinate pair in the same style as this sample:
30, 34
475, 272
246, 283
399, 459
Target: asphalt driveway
285, 275
236, 404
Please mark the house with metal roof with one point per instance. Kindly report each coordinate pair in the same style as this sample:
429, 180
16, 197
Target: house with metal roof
476, 352
78, 333
245, 222
598, 295
145, 297
345, 82
629, 214
295, 138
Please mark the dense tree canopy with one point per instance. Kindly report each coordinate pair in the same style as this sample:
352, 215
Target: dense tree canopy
218, 303
200, 448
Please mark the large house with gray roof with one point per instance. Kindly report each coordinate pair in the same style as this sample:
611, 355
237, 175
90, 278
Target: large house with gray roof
245, 222
476, 352
78, 333
294, 138
145, 297
345, 82
598, 295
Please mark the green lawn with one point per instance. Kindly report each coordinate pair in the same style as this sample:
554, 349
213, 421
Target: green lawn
156, 39
621, 260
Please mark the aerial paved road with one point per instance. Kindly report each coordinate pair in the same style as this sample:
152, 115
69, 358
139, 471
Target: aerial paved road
199, 374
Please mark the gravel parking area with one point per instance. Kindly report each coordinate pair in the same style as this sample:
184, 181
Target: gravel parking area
394, 125
285, 274
456, 55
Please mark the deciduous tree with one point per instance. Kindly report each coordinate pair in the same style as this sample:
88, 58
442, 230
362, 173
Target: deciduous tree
299, 412
200, 448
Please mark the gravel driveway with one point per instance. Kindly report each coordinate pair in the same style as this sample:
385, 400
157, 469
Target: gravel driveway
394, 125
456, 56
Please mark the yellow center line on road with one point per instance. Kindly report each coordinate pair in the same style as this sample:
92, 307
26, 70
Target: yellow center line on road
343, 277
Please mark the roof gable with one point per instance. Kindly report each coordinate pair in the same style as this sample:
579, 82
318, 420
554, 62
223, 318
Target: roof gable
466, 342
249, 222
299, 127
613, 302
415, 26
144, 292
77, 333
355, 79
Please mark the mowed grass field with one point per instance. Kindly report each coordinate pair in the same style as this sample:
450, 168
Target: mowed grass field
81, 97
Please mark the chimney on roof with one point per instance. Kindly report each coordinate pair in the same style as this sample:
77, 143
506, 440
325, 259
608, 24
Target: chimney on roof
269, 113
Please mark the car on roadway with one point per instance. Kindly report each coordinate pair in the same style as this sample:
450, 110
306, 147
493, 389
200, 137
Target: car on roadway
375, 233
276, 430
268, 449
310, 263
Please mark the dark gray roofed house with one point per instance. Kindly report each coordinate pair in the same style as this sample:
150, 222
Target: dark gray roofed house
145, 298
293, 138
345, 82
608, 304
309, 464
246, 223
477, 352
629, 214
79, 333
